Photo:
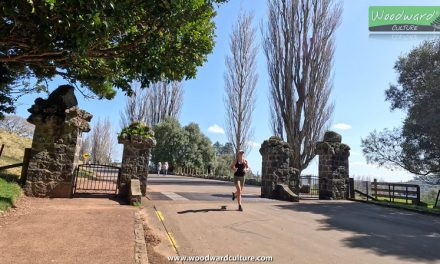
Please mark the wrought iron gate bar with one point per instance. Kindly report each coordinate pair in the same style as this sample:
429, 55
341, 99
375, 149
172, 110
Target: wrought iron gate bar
96, 178
309, 186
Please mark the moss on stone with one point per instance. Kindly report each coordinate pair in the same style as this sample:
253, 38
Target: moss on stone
136, 129
331, 136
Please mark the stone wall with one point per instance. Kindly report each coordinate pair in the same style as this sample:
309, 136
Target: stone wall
333, 167
278, 179
135, 160
50, 163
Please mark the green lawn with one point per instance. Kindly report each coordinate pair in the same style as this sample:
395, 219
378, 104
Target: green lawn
396, 200
429, 203
400, 203
85, 174
12, 154
429, 208
9, 191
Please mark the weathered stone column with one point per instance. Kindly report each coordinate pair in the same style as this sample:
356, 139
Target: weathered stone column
278, 179
51, 161
333, 167
135, 160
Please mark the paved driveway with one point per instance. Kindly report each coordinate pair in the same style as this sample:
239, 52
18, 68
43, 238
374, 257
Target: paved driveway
311, 231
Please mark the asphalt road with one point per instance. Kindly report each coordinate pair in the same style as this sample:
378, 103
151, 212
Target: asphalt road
310, 231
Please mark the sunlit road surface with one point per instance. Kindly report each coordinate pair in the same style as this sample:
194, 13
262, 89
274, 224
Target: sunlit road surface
310, 231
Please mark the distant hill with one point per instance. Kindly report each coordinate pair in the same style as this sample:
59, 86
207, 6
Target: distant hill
14, 150
424, 187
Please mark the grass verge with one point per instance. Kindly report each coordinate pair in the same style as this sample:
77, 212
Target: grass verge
13, 153
420, 209
10, 190
85, 174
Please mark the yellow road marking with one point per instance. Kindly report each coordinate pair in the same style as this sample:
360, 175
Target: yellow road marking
172, 240
170, 236
160, 216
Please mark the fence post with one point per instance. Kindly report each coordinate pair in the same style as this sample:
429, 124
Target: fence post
389, 191
26, 158
1, 149
394, 192
366, 189
350, 186
418, 195
436, 200
375, 188
406, 194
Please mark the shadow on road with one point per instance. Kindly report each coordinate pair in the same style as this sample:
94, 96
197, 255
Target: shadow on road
109, 196
386, 231
223, 209
193, 182
244, 196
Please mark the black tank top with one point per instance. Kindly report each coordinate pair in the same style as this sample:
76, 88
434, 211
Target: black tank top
240, 169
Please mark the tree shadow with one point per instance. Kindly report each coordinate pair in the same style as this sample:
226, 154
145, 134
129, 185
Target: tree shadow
8, 177
222, 209
193, 182
109, 196
386, 231
7, 200
228, 196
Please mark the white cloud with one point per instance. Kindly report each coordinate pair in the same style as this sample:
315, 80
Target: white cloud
342, 126
216, 129
253, 144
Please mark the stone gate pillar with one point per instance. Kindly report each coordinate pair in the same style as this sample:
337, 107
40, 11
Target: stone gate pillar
278, 179
50, 163
333, 167
135, 160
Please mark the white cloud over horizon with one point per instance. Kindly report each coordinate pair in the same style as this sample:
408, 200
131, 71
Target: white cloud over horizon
253, 144
342, 126
216, 129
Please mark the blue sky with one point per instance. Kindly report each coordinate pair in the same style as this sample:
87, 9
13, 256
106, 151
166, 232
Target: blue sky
363, 70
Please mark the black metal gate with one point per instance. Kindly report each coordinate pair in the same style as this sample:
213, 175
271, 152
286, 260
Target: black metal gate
96, 178
309, 187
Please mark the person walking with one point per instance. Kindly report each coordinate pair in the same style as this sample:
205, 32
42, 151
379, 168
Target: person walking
239, 166
159, 167
165, 168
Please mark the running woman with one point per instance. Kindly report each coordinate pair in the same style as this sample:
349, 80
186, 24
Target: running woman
165, 167
159, 167
239, 167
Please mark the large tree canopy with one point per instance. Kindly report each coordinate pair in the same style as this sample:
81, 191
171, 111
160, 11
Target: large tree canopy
416, 146
182, 146
102, 44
